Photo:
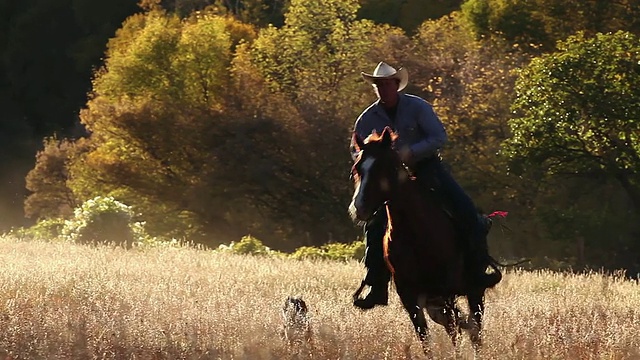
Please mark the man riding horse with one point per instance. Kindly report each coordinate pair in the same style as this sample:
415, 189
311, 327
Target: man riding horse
420, 135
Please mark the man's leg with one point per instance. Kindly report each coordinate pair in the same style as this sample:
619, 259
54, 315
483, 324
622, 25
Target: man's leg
378, 274
472, 224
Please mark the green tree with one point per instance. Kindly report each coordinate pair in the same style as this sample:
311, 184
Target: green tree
471, 84
48, 51
256, 12
578, 111
139, 59
577, 117
517, 21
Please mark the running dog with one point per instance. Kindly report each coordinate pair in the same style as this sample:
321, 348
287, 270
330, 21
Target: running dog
296, 324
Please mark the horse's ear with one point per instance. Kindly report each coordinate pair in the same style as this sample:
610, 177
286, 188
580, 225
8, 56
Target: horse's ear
387, 136
357, 142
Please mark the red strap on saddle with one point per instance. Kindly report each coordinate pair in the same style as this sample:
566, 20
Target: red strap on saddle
502, 214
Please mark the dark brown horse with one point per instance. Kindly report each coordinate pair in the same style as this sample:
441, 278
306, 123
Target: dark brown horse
421, 248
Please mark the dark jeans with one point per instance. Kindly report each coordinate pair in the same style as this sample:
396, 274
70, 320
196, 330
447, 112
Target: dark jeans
374, 230
431, 173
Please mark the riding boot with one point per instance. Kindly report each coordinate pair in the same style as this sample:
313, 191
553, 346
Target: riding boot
378, 294
378, 274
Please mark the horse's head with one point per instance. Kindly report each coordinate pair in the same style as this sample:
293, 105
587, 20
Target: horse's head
376, 173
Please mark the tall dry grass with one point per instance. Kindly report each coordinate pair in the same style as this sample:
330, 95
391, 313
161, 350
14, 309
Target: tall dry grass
62, 301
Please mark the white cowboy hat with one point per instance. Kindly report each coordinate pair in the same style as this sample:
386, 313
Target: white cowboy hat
384, 71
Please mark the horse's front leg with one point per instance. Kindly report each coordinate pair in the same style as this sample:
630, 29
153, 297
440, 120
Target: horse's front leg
447, 314
416, 314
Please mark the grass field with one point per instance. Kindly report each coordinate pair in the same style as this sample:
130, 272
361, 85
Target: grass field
62, 301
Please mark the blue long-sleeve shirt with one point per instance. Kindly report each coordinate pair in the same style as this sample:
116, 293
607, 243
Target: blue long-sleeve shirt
415, 122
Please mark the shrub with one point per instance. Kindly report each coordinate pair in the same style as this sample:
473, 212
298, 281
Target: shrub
101, 220
332, 251
340, 251
248, 245
47, 229
309, 252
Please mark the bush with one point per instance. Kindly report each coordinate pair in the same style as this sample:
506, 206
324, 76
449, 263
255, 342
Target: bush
48, 229
101, 220
333, 251
248, 245
339, 251
309, 252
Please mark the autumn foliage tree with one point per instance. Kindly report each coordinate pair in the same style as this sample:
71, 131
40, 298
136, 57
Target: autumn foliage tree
50, 195
156, 122
536, 25
198, 149
306, 76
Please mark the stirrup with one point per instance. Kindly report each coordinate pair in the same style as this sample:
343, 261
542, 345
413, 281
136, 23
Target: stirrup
378, 295
356, 295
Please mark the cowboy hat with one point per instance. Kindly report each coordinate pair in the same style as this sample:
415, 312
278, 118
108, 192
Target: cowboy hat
384, 71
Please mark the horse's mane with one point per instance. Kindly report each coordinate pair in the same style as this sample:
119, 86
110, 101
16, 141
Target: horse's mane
375, 137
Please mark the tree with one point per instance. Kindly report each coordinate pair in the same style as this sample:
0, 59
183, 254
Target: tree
255, 12
578, 111
470, 83
138, 60
306, 79
536, 25
517, 21
408, 14
51, 198
577, 116
155, 122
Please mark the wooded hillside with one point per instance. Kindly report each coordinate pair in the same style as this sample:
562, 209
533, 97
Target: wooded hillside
215, 120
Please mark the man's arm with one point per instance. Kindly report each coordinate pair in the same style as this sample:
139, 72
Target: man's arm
357, 129
433, 128
353, 149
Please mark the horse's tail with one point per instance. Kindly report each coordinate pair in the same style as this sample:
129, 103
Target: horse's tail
494, 277
495, 263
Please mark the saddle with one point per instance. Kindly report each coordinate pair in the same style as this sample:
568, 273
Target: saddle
432, 191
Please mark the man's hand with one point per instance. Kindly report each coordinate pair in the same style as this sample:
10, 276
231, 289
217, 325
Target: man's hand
406, 155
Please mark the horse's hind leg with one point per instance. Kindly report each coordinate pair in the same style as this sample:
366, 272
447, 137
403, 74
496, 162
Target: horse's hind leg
474, 325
